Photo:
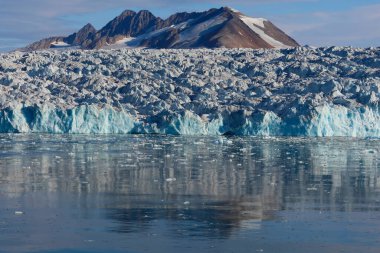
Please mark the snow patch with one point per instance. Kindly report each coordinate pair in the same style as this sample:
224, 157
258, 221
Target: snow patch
257, 25
60, 44
126, 42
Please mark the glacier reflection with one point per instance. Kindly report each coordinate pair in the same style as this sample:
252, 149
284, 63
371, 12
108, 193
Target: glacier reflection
205, 187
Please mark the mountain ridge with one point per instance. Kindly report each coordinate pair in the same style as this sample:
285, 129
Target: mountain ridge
214, 28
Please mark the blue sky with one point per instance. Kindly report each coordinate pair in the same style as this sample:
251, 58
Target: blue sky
312, 22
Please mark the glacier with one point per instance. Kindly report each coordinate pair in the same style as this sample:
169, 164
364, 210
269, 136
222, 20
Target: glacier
269, 92
326, 121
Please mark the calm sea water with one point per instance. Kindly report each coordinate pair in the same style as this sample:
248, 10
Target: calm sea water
61, 193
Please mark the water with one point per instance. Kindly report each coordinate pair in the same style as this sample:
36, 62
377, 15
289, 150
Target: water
62, 193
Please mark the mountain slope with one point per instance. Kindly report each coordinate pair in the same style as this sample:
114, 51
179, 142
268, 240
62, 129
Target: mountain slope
215, 28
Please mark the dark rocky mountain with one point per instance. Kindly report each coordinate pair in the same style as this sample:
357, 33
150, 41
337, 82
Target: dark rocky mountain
215, 28
80, 37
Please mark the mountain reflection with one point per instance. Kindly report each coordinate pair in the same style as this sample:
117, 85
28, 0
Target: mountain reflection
213, 185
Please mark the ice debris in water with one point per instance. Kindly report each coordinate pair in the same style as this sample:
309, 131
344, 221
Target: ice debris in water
297, 91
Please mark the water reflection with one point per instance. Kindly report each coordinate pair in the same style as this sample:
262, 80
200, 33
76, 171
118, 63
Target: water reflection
199, 187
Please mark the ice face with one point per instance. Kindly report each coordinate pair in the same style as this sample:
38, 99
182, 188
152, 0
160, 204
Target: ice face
82, 119
326, 121
342, 121
290, 92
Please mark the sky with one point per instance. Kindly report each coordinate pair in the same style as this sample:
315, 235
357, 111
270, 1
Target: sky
310, 22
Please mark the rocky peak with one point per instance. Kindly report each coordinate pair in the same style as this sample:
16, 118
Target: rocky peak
142, 22
229, 9
87, 28
145, 13
129, 23
127, 13
80, 37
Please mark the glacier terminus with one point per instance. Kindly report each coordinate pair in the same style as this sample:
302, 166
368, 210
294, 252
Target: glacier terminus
300, 91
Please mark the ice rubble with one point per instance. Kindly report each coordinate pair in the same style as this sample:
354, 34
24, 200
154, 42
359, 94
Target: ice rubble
298, 91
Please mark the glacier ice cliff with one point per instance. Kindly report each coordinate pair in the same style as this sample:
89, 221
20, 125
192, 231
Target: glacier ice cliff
326, 121
289, 92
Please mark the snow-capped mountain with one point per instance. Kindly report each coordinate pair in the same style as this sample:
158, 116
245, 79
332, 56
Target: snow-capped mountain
215, 28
